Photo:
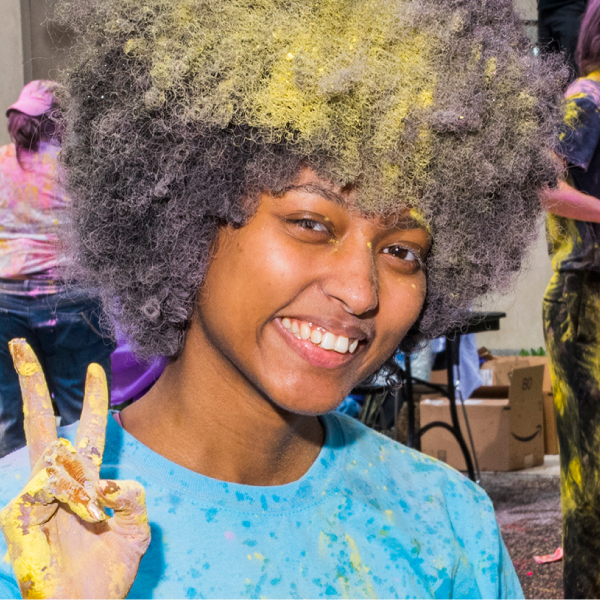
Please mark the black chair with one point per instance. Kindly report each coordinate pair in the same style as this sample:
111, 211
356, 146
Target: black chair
386, 396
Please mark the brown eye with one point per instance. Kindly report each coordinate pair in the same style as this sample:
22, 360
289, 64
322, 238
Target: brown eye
402, 253
311, 225
407, 258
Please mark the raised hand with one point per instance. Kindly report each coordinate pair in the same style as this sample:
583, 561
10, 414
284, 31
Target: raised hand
60, 540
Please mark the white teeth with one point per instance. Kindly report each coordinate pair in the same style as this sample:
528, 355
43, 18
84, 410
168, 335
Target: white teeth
316, 336
319, 337
328, 341
341, 345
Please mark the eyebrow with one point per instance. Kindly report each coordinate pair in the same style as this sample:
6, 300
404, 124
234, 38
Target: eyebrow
314, 188
404, 222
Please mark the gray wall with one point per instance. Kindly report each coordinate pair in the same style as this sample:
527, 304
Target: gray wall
31, 47
11, 60
44, 42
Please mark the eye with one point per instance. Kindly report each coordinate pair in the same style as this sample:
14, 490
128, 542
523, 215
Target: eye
311, 225
406, 255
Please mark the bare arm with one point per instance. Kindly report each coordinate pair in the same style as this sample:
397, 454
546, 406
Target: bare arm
566, 201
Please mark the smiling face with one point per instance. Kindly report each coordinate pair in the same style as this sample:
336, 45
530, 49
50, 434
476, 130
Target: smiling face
310, 297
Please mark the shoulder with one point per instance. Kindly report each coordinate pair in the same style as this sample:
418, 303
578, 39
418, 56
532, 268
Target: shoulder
416, 495
584, 88
406, 468
8, 153
581, 98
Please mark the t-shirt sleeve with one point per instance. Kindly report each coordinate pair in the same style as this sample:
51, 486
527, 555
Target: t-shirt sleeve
510, 586
580, 132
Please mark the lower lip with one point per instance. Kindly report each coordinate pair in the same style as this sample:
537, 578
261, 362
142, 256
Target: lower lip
317, 357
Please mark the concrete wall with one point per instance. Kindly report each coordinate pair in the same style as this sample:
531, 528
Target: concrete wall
11, 60
522, 327
32, 46
45, 43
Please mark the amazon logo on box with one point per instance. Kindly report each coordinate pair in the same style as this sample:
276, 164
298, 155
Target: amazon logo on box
507, 424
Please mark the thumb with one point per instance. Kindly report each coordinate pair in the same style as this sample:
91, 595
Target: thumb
128, 501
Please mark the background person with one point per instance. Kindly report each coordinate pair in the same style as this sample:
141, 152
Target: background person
572, 317
61, 325
558, 27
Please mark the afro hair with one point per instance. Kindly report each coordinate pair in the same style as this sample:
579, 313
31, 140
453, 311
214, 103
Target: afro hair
180, 111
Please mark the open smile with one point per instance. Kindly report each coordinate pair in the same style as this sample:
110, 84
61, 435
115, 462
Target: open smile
316, 345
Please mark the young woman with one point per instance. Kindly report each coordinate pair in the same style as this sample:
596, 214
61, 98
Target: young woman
277, 196
572, 316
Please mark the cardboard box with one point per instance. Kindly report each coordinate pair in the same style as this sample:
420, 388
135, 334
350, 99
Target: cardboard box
440, 377
503, 366
507, 425
500, 369
550, 435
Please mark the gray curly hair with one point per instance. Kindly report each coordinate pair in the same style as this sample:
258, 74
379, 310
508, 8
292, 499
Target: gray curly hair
179, 113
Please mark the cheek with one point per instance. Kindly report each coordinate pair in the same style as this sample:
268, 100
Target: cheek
255, 277
400, 304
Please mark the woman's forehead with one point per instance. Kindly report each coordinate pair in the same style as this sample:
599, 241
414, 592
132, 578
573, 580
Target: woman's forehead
311, 185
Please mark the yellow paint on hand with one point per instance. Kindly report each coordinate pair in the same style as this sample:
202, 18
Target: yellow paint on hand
27, 369
390, 515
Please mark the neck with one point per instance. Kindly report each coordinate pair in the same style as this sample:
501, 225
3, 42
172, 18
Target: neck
203, 414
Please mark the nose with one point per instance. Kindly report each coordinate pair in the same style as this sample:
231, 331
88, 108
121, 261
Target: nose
352, 277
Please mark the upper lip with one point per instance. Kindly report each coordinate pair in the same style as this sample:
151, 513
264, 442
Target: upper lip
357, 331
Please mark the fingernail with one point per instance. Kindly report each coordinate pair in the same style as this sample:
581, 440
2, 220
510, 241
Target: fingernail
95, 511
23, 357
95, 370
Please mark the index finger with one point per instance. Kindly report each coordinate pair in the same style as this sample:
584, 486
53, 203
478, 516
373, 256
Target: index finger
40, 423
91, 432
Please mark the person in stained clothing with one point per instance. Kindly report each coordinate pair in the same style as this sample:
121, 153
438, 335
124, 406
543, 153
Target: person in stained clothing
572, 316
558, 27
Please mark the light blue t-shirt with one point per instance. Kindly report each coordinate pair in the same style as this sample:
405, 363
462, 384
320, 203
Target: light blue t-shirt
371, 518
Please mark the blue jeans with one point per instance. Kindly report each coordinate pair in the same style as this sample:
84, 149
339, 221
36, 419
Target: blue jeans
63, 330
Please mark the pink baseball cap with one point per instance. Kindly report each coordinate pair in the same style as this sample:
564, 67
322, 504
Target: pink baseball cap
35, 98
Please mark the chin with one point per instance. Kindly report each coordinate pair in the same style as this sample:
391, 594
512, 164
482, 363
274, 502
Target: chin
309, 403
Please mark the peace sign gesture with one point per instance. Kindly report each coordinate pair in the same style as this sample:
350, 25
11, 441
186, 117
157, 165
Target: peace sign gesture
61, 542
